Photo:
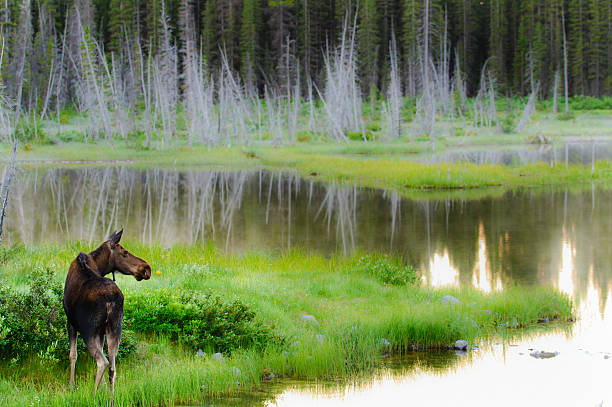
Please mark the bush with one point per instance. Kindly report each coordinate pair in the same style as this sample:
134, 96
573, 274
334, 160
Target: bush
387, 271
31, 131
198, 320
579, 102
34, 323
358, 136
507, 124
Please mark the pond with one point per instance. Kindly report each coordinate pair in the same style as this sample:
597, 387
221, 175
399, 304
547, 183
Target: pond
547, 236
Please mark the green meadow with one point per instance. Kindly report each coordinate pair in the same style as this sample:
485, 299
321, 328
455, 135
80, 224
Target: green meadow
292, 315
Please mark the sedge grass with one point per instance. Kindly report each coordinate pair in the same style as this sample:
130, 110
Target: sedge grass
355, 311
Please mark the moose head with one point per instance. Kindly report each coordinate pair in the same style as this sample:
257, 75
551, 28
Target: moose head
118, 259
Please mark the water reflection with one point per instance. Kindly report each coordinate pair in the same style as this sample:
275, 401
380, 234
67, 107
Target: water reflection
546, 237
578, 152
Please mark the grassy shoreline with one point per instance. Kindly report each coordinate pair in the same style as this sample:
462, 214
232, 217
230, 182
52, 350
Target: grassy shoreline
354, 308
374, 168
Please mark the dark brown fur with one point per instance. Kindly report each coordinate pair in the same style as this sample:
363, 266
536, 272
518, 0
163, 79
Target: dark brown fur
94, 303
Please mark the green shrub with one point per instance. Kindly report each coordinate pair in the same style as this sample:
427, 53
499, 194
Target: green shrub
388, 271
304, 136
33, 322
507, 123
373, 126
358, 136
31, 131
579, 102
198, 320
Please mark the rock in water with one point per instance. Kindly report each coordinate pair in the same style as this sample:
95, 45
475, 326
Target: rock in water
310, 319
541, 354
449, 299
461, 345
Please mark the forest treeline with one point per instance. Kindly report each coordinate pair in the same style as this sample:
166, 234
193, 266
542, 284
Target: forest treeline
522, 40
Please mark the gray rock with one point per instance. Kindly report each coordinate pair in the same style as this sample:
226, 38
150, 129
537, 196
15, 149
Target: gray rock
449, 299
218, 356
320, 338
461, 352
200, 353
461, 345
310, 319
543, 354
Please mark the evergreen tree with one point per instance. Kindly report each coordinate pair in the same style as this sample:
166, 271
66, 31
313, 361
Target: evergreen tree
250, 48
576, 46
119, 23
369, 45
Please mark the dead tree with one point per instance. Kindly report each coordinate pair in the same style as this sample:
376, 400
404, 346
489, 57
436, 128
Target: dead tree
6, 187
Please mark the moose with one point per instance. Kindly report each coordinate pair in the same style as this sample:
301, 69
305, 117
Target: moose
94, 304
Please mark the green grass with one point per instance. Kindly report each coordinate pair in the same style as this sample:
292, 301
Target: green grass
354, 307
339, 163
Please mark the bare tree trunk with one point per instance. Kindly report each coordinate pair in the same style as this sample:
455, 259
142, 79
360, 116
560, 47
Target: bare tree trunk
394, 92
529, 110
564, 60
6, 186
555, 89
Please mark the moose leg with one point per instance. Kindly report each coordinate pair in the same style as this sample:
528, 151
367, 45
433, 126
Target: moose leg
94, 346
112, 340
72, 338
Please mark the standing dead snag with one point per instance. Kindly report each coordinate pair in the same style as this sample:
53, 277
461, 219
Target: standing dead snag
94, 304
6, 186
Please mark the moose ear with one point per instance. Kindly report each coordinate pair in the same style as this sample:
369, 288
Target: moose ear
115, 237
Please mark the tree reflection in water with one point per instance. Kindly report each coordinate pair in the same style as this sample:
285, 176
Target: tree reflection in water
521, 237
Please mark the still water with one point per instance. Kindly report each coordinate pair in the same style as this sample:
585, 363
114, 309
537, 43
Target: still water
553, 237
568, 152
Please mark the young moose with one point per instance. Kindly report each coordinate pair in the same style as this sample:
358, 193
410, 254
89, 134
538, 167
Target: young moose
94, 303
